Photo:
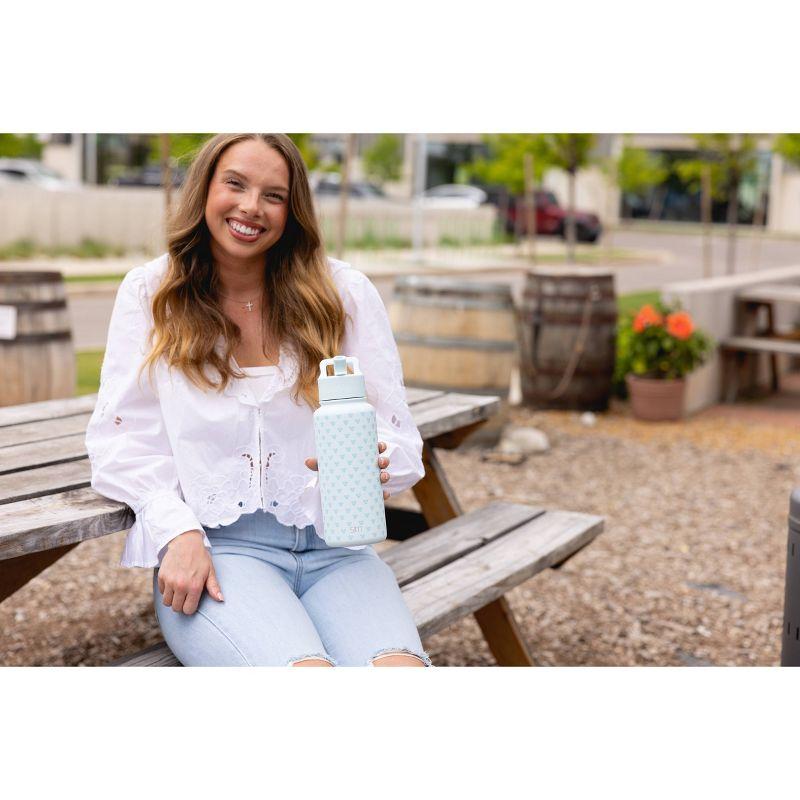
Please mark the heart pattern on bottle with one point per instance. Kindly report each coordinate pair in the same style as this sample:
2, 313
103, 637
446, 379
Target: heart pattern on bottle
349, 477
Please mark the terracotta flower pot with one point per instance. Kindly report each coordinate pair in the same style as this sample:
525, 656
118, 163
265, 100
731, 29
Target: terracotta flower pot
656, 400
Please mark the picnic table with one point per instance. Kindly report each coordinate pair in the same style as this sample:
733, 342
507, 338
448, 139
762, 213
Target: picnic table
461, 564
752, 337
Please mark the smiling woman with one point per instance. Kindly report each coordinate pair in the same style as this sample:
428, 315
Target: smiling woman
215, 451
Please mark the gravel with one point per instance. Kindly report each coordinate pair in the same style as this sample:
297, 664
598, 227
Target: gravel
689, 570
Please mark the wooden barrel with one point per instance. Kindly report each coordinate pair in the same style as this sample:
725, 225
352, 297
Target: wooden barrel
568, 323
459, 336
37, 357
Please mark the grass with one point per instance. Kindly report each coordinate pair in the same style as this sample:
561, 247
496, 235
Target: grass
107, 277
89, 361
88, 248
635, 300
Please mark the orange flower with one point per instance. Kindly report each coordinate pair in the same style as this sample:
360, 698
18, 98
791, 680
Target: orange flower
680, 325
646, 317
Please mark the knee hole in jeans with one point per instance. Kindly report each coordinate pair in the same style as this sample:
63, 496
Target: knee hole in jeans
409, 658
315, 660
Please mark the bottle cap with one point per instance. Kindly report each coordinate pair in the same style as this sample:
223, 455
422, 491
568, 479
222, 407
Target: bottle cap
341, 385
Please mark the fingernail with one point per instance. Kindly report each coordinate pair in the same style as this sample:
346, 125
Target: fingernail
220, 596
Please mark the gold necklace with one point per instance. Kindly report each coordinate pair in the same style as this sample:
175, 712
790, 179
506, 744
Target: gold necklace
248, 305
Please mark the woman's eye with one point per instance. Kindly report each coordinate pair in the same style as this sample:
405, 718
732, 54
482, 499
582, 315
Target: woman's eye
273, 196
233, 182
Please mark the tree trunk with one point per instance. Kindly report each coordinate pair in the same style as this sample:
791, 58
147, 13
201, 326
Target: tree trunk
705, 213
733, 215
530, 194
166, 173
659, 195
344, 191
571, 218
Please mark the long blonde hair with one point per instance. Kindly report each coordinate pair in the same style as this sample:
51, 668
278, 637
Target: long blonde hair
302, 306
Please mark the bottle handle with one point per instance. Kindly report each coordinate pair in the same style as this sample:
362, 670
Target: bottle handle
339, 364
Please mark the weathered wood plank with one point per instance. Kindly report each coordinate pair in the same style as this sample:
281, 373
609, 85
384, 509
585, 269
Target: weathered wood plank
55, 520
52, 479
440, 414
761, 344
30, 432
414, 395
451, 411
69, 406
472, 582
39, 454
433, 549
47, 409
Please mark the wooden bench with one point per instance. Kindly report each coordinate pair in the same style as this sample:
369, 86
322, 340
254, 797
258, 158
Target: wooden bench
464, 566
735, 349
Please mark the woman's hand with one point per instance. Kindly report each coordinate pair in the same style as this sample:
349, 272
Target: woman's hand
185, 571
311, 463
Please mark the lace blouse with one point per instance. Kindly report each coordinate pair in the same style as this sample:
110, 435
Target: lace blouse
183, 458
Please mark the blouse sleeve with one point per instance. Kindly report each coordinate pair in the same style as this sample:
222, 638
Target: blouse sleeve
126, 438
368, 336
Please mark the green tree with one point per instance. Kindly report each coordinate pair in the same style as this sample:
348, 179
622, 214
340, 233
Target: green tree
636, 171
20, 145
504, 164
729, 157
570, 152
788, 146
184, 146
383, 159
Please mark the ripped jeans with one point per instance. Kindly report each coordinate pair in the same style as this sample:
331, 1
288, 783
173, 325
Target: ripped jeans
289, 597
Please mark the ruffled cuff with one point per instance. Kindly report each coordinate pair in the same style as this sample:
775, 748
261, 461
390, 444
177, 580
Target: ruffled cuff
163, 517
405, 469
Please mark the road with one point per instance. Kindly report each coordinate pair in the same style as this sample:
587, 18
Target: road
673, 257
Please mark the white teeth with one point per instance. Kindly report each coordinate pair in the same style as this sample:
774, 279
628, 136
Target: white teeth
237, 226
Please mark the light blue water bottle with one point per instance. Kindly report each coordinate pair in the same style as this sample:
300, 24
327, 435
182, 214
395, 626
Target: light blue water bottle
346, 437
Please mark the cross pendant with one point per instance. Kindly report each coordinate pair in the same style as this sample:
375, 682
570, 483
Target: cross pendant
249, 305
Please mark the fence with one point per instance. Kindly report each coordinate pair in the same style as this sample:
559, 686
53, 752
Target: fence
133, 218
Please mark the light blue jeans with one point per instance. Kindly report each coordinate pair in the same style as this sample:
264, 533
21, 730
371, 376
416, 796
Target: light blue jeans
289, 597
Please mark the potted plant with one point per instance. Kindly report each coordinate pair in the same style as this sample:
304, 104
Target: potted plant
657, 346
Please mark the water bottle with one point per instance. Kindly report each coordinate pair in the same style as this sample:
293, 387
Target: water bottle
346, 436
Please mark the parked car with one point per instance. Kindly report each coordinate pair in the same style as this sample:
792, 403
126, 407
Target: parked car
550, 218
454, 195
330, 183
149, 175
30, 172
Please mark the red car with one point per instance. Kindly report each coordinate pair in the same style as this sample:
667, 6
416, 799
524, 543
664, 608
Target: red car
550, 218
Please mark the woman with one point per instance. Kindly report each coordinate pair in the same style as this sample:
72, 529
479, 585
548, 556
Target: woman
203, 424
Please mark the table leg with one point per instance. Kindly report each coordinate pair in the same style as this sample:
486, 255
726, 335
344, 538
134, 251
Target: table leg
496, 620
773, 357
503, 635
434, 493
16, 572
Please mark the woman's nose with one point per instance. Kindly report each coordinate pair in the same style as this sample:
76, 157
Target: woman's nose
249, 203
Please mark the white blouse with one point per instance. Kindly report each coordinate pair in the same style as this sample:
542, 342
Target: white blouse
183, 458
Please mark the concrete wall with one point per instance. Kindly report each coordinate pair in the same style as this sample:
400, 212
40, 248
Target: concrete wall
784, 202
711, 303
133, 218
